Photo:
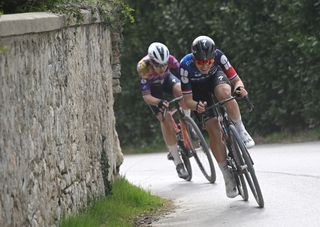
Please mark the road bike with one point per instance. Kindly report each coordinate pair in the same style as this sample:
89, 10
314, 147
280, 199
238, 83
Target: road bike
191, 142
238, 157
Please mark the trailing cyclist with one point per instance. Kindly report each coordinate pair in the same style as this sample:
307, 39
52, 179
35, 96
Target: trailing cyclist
206, 72
157, 71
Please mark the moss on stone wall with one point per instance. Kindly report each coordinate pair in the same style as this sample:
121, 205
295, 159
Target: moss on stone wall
104, 164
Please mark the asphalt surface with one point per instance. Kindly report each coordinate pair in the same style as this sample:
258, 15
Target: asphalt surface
289, 176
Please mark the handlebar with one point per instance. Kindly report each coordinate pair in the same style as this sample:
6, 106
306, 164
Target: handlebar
173, 101
221, 103
249, 103
246, 99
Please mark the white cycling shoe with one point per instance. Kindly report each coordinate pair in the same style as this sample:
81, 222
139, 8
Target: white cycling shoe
231, 185
247, 139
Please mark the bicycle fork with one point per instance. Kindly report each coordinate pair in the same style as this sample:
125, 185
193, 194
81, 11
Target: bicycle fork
182, 139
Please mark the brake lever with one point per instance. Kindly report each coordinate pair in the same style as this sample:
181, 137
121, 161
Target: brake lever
249, 103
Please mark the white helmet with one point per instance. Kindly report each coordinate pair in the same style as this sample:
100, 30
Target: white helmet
159, 53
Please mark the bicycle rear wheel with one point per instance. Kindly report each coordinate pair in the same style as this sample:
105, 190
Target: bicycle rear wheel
248, 168
200, 150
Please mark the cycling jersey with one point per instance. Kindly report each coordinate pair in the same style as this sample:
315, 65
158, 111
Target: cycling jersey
189, 73
149, 76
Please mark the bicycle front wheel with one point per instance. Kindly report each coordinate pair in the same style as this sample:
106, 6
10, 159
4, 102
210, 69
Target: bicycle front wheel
200, 149
248, 168
237, 172
186, 161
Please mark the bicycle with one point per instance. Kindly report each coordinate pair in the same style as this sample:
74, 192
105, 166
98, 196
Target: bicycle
238, 157
191, 142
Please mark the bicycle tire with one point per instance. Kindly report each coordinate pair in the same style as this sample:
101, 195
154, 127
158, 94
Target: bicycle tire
202, 156
249, 173
186, 162
242, 187
241, 183
236, 164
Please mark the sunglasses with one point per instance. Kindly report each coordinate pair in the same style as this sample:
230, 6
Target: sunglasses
204, 62
157, 65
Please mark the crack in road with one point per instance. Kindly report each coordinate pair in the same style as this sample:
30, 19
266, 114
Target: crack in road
292, 174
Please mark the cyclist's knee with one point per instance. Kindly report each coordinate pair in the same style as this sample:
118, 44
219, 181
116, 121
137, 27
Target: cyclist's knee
160, 117
222, 91
167, 119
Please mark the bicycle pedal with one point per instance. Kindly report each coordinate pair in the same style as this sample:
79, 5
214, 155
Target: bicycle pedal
243, 167
169, 156
189, 154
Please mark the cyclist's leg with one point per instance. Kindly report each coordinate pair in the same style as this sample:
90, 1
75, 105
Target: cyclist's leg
217, 145
219, 151
171, 85
222, 91
210, 121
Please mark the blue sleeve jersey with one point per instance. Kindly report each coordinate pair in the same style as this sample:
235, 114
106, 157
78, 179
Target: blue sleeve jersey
190, 74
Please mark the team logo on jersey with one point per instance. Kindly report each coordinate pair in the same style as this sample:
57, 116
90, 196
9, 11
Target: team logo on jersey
224, 60
220, 77
184, 76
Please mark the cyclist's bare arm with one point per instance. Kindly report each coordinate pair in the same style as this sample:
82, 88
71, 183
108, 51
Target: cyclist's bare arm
151, 100
200, 106
239, 88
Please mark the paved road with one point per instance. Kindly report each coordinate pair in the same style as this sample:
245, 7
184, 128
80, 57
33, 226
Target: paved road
289, 176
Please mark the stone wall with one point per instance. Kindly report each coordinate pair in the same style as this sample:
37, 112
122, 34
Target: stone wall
58, 144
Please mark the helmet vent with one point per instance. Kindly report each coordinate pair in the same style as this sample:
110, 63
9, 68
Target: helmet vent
158, 52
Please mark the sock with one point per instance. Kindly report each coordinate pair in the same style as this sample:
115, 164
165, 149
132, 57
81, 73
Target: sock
187, 112
224, 168
239, 126
175, 154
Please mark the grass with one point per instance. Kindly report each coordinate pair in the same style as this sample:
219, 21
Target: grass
289, 137
144, 149
126, 203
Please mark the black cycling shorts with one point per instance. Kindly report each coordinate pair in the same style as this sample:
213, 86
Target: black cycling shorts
204, 91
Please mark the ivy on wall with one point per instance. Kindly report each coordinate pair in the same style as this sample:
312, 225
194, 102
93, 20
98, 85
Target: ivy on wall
114, 12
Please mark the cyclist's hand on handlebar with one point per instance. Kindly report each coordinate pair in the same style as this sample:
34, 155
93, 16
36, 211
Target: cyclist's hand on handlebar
201, 106
240, 91
163, 105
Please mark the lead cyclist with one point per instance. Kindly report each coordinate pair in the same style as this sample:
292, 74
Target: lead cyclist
204, 72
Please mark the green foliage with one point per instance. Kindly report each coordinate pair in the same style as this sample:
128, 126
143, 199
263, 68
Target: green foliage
290, 137
21, 6
114, 12
274, 46
119, 209
2, 49
104, 166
